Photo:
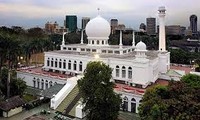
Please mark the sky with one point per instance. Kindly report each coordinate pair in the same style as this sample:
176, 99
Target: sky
32, 13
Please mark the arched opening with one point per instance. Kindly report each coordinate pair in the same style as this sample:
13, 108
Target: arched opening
38, 83
42, 84
34, 82
102, 42
97, 42
69, 65
46, 84
60, 63
117, 71
56, 63
80, 66
133, 105
50, 83
123, 72
125, 104
48, 62
64, 64
129, 72
74, 65
52, 62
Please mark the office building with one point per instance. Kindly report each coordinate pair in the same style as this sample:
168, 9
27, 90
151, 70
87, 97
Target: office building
113, 24
151, 26
193, 24
71, 23
51, 27
85, 20
142, 27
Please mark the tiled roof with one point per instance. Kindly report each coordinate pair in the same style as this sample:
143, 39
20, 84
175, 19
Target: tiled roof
11, 103
53, 90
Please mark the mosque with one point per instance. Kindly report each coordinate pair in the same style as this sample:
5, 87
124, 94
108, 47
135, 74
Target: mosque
134, 67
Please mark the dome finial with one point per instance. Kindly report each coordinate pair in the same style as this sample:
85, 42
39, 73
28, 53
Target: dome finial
98, 10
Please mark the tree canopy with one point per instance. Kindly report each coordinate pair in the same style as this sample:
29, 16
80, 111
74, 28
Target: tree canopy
101, 103
17, 85
180, 100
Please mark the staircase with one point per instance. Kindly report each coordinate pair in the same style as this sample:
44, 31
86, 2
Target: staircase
68, 99
72, 104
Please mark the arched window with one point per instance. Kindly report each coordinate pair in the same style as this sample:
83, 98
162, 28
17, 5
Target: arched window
42, 84
74, 65
92, 41
56, 63
117, 71
50, 83
48, 62
123, 72
125, 104
64, 64
129, 72
102, 42
38, 83
52, 62
60, 63
34, 82
46, 84
69, 65
80, 66
133, 105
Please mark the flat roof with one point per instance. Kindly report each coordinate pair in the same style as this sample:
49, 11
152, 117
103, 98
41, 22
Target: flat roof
150, 54
40, 71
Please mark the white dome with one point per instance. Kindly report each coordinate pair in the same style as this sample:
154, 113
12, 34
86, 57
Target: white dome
141, 46
98, 27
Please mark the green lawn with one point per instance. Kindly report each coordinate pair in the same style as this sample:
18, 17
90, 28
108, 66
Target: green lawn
128, 116
28, 97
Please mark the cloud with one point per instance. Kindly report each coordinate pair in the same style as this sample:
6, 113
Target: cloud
132, 11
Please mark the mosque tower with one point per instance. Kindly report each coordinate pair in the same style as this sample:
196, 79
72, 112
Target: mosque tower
162, 41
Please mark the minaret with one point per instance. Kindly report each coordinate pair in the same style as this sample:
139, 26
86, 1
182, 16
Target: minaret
82, 36
120, 39
133, 42
162, 41
63, 39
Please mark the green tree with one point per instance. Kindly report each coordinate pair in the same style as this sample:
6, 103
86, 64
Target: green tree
153, 107
17, 85
101, 103
180, 100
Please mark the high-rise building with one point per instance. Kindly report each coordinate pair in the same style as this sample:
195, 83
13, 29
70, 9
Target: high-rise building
151, 26
193, 23
142, 27
71, 23
113, 24
85, 20
51, 27
173, 30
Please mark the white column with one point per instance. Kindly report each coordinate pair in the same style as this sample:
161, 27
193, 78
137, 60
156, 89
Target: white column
133, 42
63, 39
120, 39
82, 36
137, 105
162, 41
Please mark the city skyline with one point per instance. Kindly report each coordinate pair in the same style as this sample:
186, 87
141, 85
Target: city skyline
130, 12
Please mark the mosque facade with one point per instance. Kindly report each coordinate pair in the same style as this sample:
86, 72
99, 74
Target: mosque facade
134, 67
